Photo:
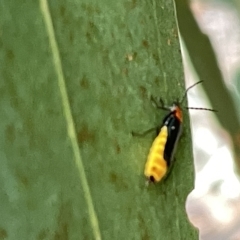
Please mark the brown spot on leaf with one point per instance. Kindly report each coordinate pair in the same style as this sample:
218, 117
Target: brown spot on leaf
10, 55
175, 32
88, 36
85, 135
43, 235
62, 221
84, 82
62, 232
118, 149
71, 37
22, 179
145, 43
113, 177
134, 3
91, 9
143, 227
155, 57
3, 233
129, 5
118, 181
157, 80
62, 11
143, 91
117, 146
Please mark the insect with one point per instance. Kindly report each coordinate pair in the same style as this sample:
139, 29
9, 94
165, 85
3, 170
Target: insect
160, 157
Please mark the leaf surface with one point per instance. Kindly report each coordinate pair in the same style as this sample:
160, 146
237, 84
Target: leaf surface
113, 56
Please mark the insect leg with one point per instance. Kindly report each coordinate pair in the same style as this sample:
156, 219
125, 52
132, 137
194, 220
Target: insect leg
156, 103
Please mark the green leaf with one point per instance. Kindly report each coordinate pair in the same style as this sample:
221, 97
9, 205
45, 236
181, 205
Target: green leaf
75, 81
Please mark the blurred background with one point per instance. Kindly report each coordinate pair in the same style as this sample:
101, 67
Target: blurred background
214, 205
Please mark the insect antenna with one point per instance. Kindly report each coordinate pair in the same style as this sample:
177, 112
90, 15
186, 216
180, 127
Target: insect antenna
206, 109
185, 94
195, 108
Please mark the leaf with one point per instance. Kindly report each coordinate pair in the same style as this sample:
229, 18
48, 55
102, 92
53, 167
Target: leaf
206, 66
112, 56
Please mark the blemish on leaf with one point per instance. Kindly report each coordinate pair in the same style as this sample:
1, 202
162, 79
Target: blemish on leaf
134, 3
3, 233
88, 36
169, 42
22, 179
157, 80
130, 56
91, 25
43, 235
62, 11
142, 226
62, 232
155, 57
143, 91
117, 147
91, 9
71, 37
125, 72
129, 5
62, 222
118, 182
113, 177
85, 135
84, 82
10, 55
176, 193
175, 32
145, 43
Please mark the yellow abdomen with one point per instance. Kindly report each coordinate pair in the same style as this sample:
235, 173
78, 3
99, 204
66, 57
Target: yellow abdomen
156, 166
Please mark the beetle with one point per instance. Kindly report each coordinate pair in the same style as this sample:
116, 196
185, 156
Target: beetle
161, 154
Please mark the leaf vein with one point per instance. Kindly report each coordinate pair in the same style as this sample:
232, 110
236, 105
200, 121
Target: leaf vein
69, 118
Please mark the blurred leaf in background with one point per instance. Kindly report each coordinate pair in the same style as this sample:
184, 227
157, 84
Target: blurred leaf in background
211, 34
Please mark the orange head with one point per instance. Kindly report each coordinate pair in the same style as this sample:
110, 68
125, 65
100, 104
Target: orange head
177, 111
